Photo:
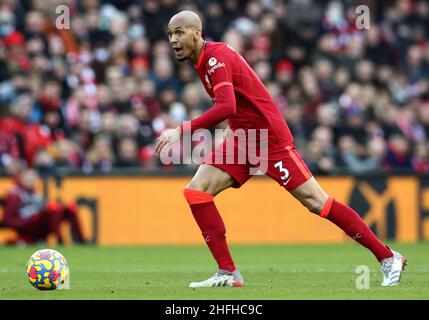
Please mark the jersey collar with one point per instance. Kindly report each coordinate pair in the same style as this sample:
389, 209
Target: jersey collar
200, 58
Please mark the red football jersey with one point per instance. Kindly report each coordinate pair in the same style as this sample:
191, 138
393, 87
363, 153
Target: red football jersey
220, 65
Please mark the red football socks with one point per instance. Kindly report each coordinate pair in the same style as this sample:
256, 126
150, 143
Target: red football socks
353, 225
211, 225
213, 229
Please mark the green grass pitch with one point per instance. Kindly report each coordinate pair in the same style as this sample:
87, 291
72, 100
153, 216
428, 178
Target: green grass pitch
270, 272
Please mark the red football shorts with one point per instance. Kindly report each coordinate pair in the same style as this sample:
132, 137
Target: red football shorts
284, 165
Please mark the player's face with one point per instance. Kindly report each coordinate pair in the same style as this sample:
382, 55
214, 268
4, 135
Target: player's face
181, 41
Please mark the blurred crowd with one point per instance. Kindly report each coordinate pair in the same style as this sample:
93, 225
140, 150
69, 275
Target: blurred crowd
96, 96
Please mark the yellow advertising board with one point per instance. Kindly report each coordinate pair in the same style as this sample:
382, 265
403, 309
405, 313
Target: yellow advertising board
152, 210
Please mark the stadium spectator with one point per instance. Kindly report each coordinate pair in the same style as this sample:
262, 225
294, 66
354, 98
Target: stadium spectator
359, 158
127, 153
115, 59
101, 156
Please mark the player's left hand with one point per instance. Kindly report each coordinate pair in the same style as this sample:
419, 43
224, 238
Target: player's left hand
167, 138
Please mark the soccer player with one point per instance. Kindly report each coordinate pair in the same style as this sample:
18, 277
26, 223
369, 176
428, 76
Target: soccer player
32, 217
240, 97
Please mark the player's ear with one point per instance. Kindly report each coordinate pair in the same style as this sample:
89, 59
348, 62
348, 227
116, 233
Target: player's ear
197, 34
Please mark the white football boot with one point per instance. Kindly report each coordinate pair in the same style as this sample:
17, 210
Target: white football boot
222, 278
392, 268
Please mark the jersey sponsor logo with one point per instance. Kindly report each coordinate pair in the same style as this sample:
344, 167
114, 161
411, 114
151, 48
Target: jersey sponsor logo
212, 61
216, 66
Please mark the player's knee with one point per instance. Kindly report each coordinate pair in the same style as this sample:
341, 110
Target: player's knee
314, 205
198, 186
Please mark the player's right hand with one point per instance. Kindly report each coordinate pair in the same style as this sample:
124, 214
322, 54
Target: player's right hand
167, 138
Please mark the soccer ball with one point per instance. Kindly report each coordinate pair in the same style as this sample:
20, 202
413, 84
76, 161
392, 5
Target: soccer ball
47, 269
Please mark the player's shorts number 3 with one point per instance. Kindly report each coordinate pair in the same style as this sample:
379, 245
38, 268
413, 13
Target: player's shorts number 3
283, 171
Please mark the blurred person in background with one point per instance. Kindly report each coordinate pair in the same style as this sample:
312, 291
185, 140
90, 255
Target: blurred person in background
360, 159
127, 154
30, 136
27, 212
420, 158
100, 156
399, 153
115, 54
322, 139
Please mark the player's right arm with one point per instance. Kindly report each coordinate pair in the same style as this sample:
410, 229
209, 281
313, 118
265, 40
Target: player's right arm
224, 107
219, 64
167, 138
221, 110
